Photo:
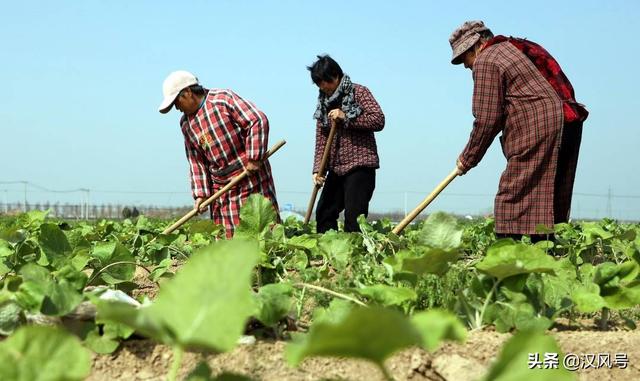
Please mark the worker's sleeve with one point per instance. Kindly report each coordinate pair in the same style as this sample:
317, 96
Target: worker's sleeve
249, 117
321, 139
199, 176
488, 111
371, 118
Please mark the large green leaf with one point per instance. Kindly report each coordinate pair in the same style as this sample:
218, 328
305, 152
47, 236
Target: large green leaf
61, 298
593, 231
205, 305
506, 258
512, 363
427, 260
436, 326
336, 312
10, 313
13, 234
627, 296
103, 251
102, 344
54, 243
587, 298
40, 289
257, 214
386, 296
366, 333
618, 286
337, 248
303, 241
109, 253
203, 226
610, 275
441, 230
298, 260
273, 302
515, 312
559, 286
5, 249
37, 353
32, 219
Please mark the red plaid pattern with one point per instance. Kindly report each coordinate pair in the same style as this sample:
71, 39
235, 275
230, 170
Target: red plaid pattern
354, 144
511, 96
550, 69
224, 133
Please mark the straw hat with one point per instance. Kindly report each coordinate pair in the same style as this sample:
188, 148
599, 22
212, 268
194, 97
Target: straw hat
464, 38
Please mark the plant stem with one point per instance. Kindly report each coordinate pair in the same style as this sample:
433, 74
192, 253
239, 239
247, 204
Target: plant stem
259, 276
327, 291
486, 302
301, 303
93, 277
385, 373
604, 318
178, 351
178, 252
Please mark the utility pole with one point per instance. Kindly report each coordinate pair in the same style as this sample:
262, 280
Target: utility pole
609, 214
88, 201
405, 204
25, 195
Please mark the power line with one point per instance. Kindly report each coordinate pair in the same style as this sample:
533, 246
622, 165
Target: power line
607, 195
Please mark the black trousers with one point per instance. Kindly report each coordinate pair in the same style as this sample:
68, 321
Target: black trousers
566, 170
534, 237
351, 193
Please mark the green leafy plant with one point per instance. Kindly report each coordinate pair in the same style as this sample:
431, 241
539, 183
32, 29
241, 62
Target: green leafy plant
43, 354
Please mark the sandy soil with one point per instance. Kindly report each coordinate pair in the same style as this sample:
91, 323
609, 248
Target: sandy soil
145, 360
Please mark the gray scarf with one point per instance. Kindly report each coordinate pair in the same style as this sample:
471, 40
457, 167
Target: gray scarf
343, 97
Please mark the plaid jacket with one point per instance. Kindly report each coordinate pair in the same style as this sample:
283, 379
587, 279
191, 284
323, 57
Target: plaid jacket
219, 138
511, 96
354, 144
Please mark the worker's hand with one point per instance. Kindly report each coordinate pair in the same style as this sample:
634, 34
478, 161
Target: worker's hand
461, 170
252, 166
197, 203
318, 180
337, 115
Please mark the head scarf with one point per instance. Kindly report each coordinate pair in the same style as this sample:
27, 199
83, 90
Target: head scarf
342, 98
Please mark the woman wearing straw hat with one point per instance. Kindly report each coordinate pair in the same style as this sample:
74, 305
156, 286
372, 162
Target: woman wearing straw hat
521, 92
223, 135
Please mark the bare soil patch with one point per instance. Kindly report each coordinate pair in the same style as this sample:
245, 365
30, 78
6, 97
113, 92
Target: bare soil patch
264, 360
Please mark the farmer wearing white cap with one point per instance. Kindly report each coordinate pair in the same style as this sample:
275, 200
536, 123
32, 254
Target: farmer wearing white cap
521, 92
223, 134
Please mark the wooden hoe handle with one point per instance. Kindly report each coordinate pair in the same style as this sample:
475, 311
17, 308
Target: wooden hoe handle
321, 170
414, 213
219, 193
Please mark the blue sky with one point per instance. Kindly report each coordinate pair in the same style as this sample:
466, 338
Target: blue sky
82, 82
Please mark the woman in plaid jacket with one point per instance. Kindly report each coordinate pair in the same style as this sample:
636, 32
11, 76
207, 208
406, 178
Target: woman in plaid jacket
521, 92
350, 179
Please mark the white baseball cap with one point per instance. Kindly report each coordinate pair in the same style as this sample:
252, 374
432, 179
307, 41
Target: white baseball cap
172, 85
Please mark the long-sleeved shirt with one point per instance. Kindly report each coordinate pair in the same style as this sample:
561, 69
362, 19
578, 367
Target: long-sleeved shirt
512, 97
354, 144
220, 138
227, 130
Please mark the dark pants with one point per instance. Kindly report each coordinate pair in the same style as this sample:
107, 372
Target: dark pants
534, 237
351, 193
566, 170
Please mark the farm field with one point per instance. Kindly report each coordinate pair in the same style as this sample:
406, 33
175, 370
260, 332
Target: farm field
444, 300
